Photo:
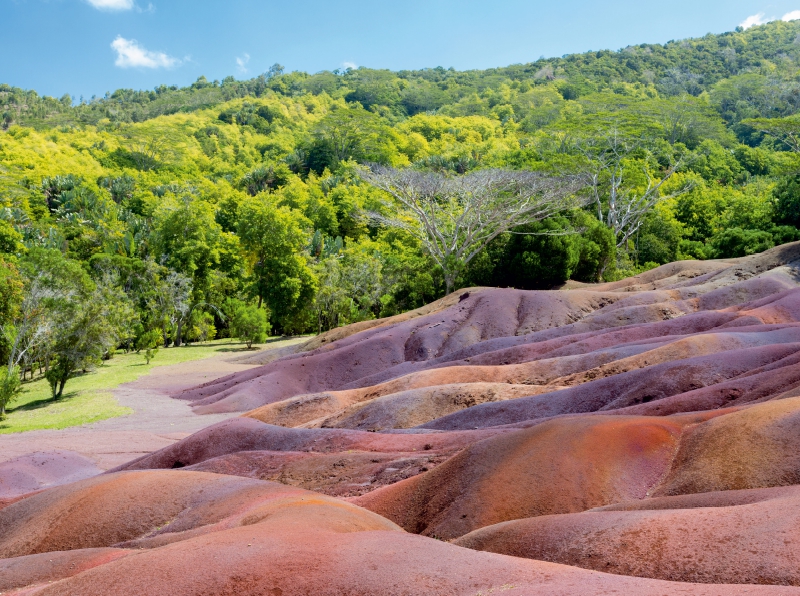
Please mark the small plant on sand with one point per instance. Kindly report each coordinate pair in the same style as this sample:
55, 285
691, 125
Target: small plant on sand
149, 354
149, 342
250, 324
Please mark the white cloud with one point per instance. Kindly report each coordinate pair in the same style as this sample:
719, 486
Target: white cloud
761, 19
112, 4
755, 20
241, 62
131, 55
352, 65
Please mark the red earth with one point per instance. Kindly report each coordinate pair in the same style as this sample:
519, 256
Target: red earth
637, 437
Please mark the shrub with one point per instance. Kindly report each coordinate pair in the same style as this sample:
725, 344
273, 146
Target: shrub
736, 242
149, 342
9, 388
787, 201
250, 325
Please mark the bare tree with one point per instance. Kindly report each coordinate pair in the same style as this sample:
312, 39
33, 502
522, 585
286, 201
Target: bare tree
25, 336
171, 301
785, 130
33, 324
455, 217
620, 207
150, 146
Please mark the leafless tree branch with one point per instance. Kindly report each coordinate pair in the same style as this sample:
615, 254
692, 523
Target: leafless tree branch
455, 217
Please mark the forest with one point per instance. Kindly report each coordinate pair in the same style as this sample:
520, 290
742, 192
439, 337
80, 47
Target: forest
242, 208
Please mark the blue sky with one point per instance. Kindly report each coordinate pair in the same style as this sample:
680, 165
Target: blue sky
88, 47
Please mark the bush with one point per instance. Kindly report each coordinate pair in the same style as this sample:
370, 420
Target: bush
149, 339
149, 342
598, 249
202, 327
787, 201
692, 249
536, 256
9, 388
736, 242
250, 325
784, 234
545, 254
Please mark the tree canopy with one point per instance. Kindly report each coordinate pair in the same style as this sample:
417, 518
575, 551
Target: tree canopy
152, 217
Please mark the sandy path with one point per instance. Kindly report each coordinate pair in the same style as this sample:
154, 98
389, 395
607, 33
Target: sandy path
158, 420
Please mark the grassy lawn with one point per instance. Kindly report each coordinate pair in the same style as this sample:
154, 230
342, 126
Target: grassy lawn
87, 398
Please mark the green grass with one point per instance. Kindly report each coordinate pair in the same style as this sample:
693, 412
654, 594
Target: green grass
88, 398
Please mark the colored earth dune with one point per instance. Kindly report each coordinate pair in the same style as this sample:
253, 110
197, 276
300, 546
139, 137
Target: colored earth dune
636, 437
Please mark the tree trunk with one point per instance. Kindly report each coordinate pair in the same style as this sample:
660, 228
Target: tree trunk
449, 282
61, 384
178, 340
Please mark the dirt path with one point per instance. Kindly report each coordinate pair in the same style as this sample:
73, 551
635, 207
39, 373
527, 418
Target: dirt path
158, 420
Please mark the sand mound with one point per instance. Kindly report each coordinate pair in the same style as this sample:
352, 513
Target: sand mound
560, 466
743, 537
191, 533
647, 427
155, 507
629, 388
417, 406
483, 315
343, 474
756, 447
246, 434
257, 560
29, 473
48, 567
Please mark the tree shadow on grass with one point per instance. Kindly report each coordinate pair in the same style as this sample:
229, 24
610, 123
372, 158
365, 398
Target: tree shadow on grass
39, 403
241, 347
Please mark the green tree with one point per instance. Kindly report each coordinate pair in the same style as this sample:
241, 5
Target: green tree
783, 130
274, 241
787, 201
187, 239
349, 133
149, 342
736, 242
64, 316
11, 293
540, 255
250, 324
456, 217
88, 324
10, 239
10, 384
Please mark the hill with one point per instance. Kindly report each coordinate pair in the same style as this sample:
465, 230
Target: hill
637, 436
193, 210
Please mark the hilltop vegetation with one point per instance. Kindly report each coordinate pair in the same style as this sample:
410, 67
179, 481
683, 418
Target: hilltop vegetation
177, 210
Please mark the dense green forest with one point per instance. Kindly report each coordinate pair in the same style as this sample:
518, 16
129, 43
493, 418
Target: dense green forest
229, 208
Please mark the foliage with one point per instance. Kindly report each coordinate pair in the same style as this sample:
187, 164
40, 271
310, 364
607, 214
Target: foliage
91, 397
153, 211
149, 342
10, 385
456, 217
250, 324
736, 242
273, 240
787, 205
545, 254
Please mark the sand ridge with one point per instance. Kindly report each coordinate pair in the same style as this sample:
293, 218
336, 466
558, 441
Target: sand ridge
635, 437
